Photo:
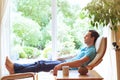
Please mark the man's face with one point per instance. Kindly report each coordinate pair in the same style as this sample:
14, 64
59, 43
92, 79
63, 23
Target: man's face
88, 39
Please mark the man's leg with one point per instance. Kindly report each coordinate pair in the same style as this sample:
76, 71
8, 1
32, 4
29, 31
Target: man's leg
19, 68
46, 65
41, 65
30, 67
35, 67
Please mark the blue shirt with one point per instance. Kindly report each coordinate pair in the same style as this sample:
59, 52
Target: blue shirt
87, 51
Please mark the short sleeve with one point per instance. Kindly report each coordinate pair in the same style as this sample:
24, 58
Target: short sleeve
91, 53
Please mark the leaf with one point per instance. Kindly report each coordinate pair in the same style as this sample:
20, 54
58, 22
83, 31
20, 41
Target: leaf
104, 11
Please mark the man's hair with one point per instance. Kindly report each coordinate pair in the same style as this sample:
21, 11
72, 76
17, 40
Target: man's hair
94, 34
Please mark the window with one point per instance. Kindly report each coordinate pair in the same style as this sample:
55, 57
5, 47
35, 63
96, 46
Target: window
46, 27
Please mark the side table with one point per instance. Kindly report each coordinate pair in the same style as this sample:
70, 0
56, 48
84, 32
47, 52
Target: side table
74, 75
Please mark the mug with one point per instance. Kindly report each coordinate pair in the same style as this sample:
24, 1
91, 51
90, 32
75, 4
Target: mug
65, 70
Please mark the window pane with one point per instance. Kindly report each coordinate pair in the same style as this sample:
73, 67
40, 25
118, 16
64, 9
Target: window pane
72, 24
31, 28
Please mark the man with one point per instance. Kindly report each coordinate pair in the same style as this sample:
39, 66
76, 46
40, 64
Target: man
84, 57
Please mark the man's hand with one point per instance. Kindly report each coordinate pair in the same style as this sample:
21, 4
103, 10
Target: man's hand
56, 68
66, 57
61, 59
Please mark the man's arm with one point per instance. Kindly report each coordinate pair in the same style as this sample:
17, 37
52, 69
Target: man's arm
73, 64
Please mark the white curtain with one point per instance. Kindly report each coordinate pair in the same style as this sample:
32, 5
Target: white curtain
107, 68
4, 34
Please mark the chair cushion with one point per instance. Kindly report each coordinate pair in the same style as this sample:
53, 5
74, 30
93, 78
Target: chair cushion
97, 43
101, 48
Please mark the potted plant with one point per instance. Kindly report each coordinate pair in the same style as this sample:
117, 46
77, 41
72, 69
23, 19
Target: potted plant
101, 12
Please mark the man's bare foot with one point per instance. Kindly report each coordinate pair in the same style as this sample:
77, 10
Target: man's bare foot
9, 66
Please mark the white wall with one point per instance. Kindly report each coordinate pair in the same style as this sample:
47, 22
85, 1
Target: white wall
4, 40
107, 68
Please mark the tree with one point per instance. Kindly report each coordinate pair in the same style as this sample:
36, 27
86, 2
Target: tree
27, 31
37, 10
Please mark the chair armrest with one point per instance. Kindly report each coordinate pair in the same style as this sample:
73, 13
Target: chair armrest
90, 67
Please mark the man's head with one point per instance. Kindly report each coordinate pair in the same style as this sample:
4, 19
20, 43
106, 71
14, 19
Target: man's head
91, 37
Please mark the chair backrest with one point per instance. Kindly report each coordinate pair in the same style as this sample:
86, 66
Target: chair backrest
101, 45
